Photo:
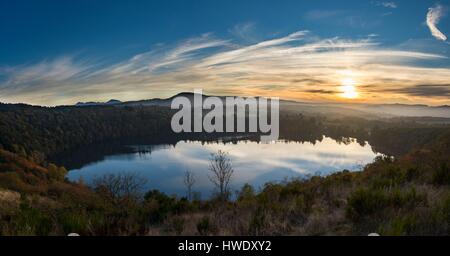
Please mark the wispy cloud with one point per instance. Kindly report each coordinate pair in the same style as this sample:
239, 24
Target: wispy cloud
245, 32
295, 66
434, 14
392, 5
426, 90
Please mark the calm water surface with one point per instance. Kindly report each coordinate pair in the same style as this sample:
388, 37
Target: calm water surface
163, 166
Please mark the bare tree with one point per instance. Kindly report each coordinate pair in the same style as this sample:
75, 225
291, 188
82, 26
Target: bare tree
189, 181
221, 169
121, 187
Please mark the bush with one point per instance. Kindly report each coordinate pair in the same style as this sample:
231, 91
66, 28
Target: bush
247, 193
159, 206
204, 226
177, 224
365, 202
388, 177
400, 226
441, 175
31, 221
441, 217
258, 222
74, 222
56, 173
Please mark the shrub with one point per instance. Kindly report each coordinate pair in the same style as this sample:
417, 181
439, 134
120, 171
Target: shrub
365, 202
441, 175
400, 226
74, 222
258, 222
160, 206
302, 205
412, 174
388, 177
56, 173
247, 193
177, 224
440, 217
31, 221
204, 226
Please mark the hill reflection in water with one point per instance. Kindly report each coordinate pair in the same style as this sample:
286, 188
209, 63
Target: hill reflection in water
255, 163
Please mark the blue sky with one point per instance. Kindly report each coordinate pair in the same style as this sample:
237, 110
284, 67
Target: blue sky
77, 40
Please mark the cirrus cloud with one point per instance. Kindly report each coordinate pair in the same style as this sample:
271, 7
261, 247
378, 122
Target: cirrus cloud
434, 14
296, 66
391, 5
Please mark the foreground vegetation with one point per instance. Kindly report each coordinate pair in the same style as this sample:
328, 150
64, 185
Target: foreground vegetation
405, 195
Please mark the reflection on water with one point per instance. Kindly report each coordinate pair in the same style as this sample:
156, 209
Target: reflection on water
254, 163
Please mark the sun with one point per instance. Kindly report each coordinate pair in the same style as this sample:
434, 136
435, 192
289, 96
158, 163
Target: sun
348, 89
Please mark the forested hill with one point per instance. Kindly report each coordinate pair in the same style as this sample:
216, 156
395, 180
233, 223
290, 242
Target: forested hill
39, 131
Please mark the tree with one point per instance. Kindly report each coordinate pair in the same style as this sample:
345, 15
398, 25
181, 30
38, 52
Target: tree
56, 173
222, 171
189, 181
122, 187
247, 193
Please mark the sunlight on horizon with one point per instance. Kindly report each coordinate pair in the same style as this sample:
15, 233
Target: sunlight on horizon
348, 89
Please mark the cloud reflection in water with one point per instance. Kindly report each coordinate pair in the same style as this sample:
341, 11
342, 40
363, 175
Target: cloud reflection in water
254, 163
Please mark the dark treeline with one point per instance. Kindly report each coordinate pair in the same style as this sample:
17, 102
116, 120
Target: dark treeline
38, 132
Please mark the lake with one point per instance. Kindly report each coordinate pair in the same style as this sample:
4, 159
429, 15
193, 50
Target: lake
163, 166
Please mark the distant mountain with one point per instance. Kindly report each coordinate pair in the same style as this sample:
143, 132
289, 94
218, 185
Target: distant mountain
405, 110
346, 109
165, 102
110, 102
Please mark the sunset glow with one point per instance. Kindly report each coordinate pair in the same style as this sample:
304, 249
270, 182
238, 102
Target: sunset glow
307, 61
348, 89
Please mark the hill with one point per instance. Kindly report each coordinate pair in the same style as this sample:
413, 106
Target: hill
348, 109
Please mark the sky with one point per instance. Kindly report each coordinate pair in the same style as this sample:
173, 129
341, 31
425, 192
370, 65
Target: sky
63, 52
